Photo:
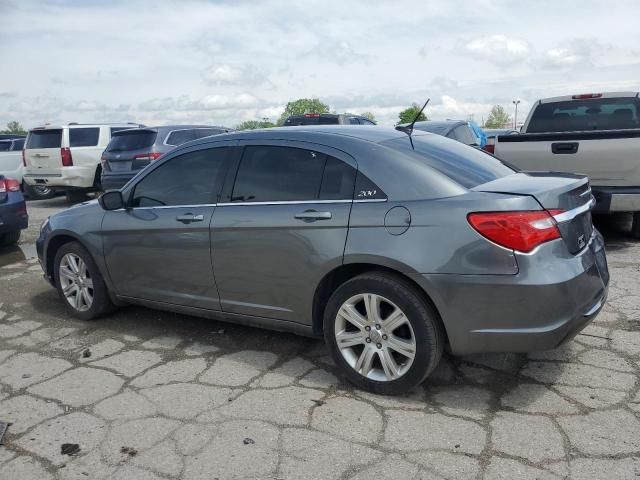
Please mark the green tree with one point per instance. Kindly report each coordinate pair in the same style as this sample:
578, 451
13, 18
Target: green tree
302, 106
408, 114
253, 124
498, 118
14, 127
368, 115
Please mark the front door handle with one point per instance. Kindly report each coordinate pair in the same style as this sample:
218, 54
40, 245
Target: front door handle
189, 218
313, 215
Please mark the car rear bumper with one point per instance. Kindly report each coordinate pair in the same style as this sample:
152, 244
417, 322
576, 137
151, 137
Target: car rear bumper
616, 199
74, 177
113, 181
13, 213
552, 298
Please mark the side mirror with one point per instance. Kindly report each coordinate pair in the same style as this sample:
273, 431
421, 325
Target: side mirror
111, 200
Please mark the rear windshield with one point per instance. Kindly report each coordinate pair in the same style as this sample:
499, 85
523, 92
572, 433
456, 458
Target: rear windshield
465, 165
131, 140
45, 139
581, 115
304, 120
83, 137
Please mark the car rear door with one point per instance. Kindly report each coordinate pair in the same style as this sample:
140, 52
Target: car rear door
281, 227
158, 249
43, 150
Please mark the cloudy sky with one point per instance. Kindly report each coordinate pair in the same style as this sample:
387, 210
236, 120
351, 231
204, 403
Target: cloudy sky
225, 61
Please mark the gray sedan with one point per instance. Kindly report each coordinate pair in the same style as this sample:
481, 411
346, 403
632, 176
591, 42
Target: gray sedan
391, 247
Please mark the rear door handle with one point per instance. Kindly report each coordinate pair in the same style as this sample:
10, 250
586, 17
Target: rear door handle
564, 147
189, 218
312, 216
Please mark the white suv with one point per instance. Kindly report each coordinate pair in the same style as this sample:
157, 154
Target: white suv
68, 156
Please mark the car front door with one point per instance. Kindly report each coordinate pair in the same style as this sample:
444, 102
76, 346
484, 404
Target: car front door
158, 248
281, 228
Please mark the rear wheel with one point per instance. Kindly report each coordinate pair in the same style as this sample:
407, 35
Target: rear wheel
10, 238
382, 333
38, 192
80, 284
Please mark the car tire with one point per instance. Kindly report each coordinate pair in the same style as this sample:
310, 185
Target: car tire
10, 238
413, 338
39, 192
76, 196
80, 283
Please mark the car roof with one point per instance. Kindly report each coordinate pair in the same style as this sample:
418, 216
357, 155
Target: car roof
569, 98
74, 125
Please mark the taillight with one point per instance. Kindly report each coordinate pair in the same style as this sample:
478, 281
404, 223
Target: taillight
584, 96
24, 159
522, 231
148, 156
490, 148
65, 153
9, 185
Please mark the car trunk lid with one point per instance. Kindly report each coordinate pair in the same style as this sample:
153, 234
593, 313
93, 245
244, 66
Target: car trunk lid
566, 196
43, 149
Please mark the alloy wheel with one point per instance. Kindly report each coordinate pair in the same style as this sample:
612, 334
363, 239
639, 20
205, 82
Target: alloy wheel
76, 282
375, 337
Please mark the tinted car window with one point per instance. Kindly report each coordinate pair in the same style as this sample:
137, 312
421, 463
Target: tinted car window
268, 174
463, 134
18, 145
354, 121
5, 146
133, 140
194, 178
337, 180
591, 114
207, 132
178, 137
364, 121
83, 137
468, 167
45, 139
312, 120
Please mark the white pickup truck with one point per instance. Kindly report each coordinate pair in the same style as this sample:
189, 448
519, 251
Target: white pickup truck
595, 134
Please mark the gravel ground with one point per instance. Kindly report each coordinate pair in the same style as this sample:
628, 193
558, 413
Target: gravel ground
149, 395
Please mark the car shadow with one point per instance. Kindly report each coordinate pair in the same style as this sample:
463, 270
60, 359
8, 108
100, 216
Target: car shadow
616, 230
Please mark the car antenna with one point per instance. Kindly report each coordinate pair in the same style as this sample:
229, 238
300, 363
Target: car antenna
408, 129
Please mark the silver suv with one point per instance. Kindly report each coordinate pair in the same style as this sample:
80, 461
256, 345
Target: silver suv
389, 246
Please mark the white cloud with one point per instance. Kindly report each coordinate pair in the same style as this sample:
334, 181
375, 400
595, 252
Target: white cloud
498, 49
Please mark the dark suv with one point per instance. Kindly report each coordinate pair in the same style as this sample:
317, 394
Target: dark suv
327, 119
131, 150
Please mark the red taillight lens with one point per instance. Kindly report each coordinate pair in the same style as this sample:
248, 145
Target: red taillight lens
65, 153
522, 231
584, 96
24, 159
148, 156
489, 148
9, 185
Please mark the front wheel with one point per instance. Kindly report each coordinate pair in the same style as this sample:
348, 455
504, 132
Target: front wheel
382, 333
80, 284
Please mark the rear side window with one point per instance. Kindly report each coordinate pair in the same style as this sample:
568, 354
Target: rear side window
18, 145
83, 137
464, 165
134, 140
178, 137
584, 115
272, 174
44, 139
207, 132
194, 178
312, 119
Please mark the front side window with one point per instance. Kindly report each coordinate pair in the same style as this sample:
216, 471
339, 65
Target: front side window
194, 178
277, 174
83, 137
178, 137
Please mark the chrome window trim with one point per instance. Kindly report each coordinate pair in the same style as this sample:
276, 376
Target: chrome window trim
283, 202
571, 214
172, 206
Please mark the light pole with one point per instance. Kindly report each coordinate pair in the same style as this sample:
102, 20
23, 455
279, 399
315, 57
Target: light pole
515, 117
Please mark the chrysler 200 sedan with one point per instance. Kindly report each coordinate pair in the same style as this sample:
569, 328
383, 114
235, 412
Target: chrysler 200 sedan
393, 247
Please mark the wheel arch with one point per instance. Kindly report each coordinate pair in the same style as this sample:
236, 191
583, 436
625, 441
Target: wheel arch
336, 277
53, 245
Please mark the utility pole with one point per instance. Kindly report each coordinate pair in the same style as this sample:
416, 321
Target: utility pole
515, 117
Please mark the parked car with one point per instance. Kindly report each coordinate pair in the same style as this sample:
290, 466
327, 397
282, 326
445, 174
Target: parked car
11, 166
455, 129
595, 134
131, 150
492, 133
68, 156
327, 119
13, 211
391, 249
